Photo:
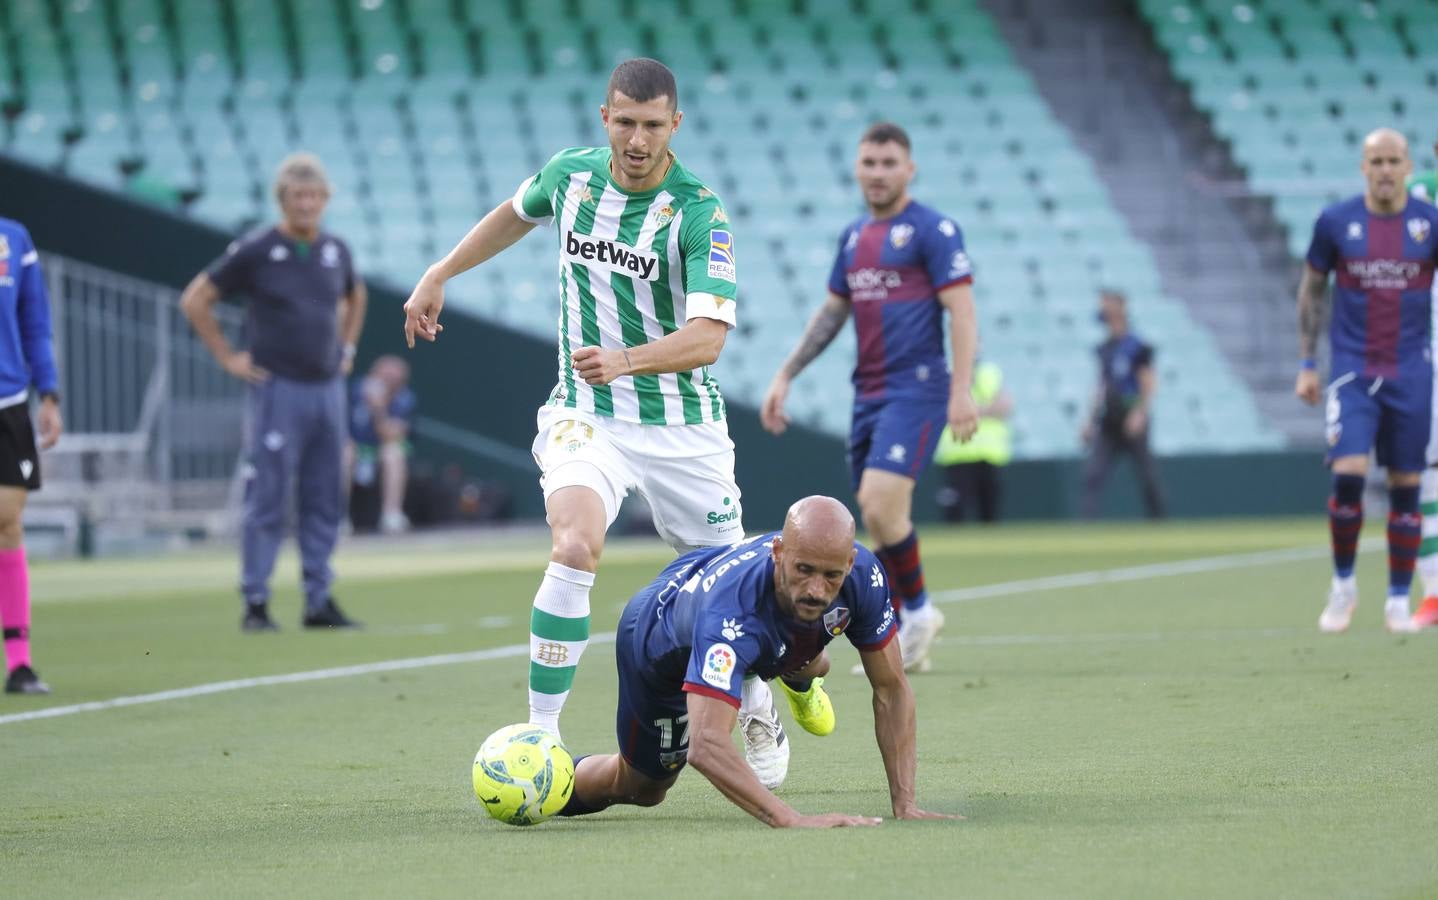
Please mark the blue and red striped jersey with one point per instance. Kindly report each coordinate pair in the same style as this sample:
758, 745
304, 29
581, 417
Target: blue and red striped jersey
1383, 269
712, 617
892, 271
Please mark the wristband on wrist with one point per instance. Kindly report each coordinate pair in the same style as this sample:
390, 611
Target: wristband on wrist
348, 351
50, 395
1308, 365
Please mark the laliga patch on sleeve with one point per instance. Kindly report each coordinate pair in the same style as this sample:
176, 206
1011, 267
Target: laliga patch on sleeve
719, 665
959, 266
721, 255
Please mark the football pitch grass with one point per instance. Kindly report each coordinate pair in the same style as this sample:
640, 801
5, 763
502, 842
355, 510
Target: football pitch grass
1164, 729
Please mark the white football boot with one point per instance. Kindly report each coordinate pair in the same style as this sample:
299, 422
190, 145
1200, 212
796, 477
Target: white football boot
1342, 600
766, 746
1397, 616
917, 630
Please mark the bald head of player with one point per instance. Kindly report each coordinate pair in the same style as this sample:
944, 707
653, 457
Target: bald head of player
813, 556
1385, 167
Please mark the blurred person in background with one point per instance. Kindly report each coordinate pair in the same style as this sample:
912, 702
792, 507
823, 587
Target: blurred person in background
381, 407
1122, 408
898, 268
1382, 248
972, 470
306, 309
27, 360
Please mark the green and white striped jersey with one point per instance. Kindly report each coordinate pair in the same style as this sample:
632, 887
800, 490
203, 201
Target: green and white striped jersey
1424, 186
632, 269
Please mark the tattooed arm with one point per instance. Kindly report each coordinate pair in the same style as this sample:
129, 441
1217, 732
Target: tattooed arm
1312, 311
819, 333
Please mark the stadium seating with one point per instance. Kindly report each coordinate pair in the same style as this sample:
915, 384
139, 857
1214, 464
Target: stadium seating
429, 112
1294, 85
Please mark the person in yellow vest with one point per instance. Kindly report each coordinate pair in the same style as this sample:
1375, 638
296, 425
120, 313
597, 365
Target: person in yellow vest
971, 470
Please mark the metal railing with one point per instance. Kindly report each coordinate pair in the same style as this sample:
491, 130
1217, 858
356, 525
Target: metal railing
153, 427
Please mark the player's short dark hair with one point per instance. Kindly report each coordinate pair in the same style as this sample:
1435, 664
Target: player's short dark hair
887, 133
643, 79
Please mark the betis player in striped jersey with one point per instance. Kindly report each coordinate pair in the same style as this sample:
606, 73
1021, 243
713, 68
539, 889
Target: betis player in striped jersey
647, 289
1424, 186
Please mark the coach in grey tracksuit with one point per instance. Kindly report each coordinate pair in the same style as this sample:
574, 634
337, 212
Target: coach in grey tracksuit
306, 309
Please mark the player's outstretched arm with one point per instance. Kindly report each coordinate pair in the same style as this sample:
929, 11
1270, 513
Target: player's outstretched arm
494, 233
713, 754
1312, 311
823, 327
895, 727
696, 344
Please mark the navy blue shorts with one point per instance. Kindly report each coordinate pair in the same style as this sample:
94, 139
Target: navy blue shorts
652, 726
897, 435
1391, 417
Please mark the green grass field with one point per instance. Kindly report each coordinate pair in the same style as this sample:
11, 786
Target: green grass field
1171, 731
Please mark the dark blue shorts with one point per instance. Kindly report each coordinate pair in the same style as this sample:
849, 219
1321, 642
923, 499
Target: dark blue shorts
652, 725
897, 435
1391, 417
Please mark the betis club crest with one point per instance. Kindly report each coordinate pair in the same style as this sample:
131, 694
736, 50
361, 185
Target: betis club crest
1418, 230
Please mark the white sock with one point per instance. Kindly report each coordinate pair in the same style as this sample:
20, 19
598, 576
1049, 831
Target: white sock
558, 635
756, 699
1347, 585
1397, 602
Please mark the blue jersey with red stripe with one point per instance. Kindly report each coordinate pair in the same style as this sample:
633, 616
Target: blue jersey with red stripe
711, 617
892, 270
1383, 269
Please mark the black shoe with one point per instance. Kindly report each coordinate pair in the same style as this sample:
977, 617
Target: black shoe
257, 619
23, 680
329, 616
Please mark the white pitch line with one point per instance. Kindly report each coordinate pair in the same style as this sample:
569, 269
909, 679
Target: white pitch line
1132, 573
240, 684
1001, 589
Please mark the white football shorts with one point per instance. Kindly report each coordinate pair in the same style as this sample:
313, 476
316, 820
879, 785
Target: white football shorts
684, 472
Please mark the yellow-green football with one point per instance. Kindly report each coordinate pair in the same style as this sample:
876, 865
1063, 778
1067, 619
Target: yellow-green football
523, 775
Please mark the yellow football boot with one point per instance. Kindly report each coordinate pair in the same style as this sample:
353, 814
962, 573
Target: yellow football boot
811, 709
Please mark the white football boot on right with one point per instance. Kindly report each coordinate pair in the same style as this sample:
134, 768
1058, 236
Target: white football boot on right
917, 630
1397, 617
1342, 600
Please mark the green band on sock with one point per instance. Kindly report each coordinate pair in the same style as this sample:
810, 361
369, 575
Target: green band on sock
548, 680
1428, 547
558, 628
1429, 508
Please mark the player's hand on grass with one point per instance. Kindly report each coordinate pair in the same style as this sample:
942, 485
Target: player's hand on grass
1307, 386
240, 365
833, 820
421, 312
771, 413
599, 366
963, 416
914, 813
51, 423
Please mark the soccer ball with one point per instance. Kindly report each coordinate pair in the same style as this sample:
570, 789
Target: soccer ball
523, 775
